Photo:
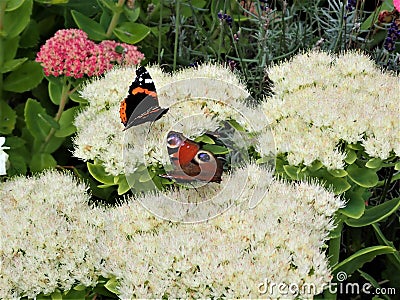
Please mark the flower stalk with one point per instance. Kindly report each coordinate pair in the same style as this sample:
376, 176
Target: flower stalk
177, 17
115, 18
63, 101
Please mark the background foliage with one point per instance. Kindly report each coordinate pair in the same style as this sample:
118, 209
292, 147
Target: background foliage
36, 112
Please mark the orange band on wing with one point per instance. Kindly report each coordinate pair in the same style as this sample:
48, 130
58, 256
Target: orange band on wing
139, 90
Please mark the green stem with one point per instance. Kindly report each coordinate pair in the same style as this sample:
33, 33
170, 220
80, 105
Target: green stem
63, 101
159, 31
262, 45
334, 252
3, 6
177, 17
115, 18
220, 41
386, 187
341, 25
239, 54
283, 37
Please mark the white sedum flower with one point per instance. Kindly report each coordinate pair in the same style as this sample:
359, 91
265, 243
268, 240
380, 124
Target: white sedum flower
47, 236
321, 100
51, 239
3, 156
281, 240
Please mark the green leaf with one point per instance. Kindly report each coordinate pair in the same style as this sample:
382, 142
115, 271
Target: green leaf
205, 139
41, 161
294, 172
38, 128
132, 14
186, 10
10, 48
375, 214
112, 285
12, 64
56, 295
75, 295
215, 149
355, 146
123, 185
374, 163
163, 30
111, 5
49, 120
397, 166
55, 91
98, 172
30, 36
25, 78
76, 98
350, 157
384, 241
14, 142
17, 163
236, 125
15, 21
337, 173
79, 287
362, 176
266, 160
131, 33
355, 205
369, 278
358, 259
316, 165
66, 122
53, 2
8, 118
13, 4
338, 184
94, 30
52, 145
146, 176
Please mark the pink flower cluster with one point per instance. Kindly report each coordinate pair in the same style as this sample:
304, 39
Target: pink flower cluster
396, 4
69, 52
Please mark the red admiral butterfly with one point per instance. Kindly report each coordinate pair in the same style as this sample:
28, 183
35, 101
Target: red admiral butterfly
190, 162
141, 105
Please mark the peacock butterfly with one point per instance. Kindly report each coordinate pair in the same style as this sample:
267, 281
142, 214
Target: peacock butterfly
190, 162
141, 105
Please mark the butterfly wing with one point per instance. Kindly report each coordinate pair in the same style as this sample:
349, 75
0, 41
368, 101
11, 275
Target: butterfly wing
180, 149
141, 105
190, 162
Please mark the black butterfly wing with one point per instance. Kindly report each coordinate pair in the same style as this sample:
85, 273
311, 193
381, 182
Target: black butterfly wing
141, 105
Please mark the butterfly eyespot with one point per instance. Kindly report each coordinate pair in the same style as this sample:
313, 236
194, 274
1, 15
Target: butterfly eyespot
203, 157
174, 140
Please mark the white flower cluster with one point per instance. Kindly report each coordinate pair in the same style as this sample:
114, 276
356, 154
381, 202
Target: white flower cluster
198, 100
321, 100
47, 236
51, 239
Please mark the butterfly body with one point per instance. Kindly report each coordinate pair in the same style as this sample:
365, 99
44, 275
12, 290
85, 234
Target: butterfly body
191, 163
141, 105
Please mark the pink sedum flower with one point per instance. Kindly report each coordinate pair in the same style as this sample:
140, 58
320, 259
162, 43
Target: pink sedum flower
129, 54
69, 52
396, 4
